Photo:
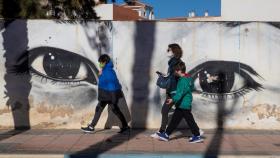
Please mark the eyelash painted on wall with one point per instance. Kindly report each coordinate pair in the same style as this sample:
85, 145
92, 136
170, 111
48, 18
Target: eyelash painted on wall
224, 71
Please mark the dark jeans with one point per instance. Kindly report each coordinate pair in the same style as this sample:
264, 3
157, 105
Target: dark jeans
116, 110
176, 119
164, 115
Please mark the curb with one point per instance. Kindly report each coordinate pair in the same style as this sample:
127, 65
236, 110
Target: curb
146, 155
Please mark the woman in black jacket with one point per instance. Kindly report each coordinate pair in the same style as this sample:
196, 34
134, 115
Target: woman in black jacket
174, 53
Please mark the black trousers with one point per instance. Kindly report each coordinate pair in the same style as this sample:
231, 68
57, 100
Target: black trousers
116, 110
176, 119
164, 115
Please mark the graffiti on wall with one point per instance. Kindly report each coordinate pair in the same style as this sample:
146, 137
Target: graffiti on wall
50, 75
232, 63
51, 82
217, 79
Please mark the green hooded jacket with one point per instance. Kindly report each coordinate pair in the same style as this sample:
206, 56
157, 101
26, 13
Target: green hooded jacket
183, 97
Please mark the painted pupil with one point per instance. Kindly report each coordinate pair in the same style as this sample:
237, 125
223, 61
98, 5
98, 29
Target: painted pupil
216, 81
61, 65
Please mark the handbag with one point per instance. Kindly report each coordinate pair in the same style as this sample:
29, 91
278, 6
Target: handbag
164, 82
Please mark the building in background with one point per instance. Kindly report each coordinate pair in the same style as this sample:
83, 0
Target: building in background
144, 10
250, 10
230, 10
105, 10
131, 10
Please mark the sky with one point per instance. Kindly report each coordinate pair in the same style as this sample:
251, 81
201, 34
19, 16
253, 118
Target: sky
181, 8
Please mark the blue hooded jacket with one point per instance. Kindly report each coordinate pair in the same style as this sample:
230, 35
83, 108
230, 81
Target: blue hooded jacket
108, 79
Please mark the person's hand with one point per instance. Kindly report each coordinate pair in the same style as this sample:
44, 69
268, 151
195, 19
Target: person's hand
100, 72
169, 101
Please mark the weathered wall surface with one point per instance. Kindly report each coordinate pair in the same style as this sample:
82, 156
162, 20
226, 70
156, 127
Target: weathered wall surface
250, 10
49, 72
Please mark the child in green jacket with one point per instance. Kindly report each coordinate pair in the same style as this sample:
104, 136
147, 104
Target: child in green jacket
183, 102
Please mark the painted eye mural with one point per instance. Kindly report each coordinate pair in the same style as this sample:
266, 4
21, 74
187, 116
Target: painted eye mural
51, 69
61, 66
224, 79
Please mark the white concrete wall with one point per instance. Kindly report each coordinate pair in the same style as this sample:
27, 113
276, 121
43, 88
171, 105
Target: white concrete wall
104, 11
254, 44
250, 10
48, 98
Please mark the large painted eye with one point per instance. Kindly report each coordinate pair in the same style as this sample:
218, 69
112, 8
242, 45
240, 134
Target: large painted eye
61, 65
224, 79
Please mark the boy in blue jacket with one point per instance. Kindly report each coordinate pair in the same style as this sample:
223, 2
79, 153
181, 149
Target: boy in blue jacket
109, 92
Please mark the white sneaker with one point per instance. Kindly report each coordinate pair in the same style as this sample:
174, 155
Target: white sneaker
201, 134
155, 135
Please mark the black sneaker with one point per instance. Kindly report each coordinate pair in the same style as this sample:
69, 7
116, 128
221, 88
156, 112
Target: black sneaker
124, 129
88, 129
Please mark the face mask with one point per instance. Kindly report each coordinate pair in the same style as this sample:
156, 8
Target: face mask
170, 54
101, 65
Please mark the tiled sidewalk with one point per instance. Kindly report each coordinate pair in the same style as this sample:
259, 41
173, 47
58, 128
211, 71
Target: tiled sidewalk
74, 143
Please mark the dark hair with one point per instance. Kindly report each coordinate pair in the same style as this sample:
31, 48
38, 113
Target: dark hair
176, 49
104, 58
180, 67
